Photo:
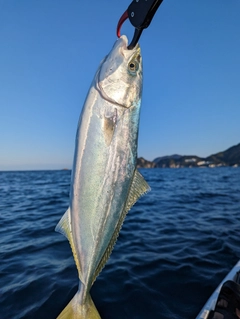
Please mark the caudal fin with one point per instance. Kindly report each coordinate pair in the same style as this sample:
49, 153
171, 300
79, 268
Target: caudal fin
75, 310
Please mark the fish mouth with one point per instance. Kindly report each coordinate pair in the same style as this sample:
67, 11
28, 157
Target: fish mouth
125, 40
124, 47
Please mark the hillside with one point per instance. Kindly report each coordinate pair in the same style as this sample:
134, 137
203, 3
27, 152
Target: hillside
229, 157
142, 163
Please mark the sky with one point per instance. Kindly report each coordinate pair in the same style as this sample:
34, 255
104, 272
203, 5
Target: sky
51, 49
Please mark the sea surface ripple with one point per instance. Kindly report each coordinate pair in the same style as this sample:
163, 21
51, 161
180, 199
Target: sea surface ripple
176, 245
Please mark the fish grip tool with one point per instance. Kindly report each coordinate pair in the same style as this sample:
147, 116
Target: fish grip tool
140, 14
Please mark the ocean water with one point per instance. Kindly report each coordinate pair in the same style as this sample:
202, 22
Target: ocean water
176, 245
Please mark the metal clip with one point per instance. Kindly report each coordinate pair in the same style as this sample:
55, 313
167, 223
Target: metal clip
140, 14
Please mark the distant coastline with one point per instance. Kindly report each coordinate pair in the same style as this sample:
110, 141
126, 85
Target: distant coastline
229, 157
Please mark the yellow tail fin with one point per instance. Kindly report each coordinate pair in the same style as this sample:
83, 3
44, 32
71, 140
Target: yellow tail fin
74, 310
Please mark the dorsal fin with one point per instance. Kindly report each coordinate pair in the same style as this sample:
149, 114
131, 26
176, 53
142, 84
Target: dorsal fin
138, 188
64, 227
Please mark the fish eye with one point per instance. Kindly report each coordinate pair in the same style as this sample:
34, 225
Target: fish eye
133, 67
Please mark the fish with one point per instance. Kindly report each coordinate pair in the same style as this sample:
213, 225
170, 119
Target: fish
105, 182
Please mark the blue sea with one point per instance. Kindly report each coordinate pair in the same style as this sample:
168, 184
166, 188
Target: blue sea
176, 245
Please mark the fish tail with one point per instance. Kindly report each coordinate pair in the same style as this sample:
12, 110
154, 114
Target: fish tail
77, 310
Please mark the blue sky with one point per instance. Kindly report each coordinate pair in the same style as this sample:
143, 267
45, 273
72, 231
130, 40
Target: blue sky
50, 50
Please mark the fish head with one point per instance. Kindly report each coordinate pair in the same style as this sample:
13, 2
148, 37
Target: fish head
120, 75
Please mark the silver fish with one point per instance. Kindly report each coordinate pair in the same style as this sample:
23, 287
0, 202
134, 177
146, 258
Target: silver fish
105, 182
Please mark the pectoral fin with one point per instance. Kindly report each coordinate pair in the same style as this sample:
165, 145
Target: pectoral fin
109, 126
138, 188
64, 227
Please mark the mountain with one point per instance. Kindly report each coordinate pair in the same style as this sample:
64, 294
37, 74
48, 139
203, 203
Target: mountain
142, 163
230, 157
159, 159
180, 161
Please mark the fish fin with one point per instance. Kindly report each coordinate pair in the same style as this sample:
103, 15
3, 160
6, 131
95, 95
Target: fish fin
75, 309
64, 225
109, 125
64, 228
138, 188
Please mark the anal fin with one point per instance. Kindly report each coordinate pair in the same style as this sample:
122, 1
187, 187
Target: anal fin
64, 227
